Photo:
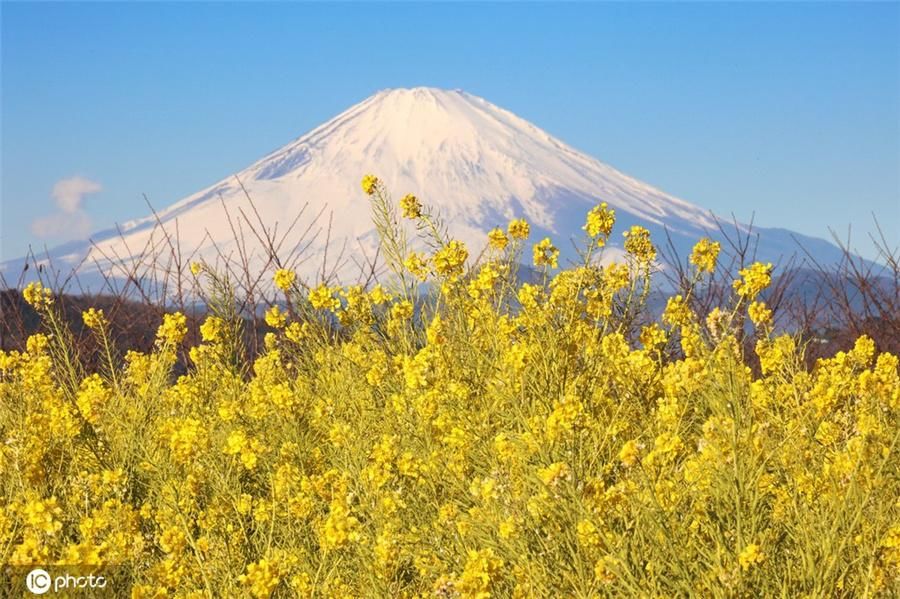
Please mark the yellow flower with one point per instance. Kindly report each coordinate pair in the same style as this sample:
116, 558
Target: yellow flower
37, 296
172, 330
449, 260
507, 528
554, 473
604, 570
284, 279
750, 556
275, 318
480, 574
323, 298
485, 282
302, 585
186, 437
417, 265
630, 453
773, 354
379, 296
43, 515
600, 222
652, 336
212, 330
370, 184
754, 279
410, 206
638, 244
94, 319
588, 535
519, 229
402, 310
828, 433
196, 268
759, 313
261, 578
93, 396
705, 254
340, 528
235, 443
677, 312
498, 239
244, 504
546, 254
890, 546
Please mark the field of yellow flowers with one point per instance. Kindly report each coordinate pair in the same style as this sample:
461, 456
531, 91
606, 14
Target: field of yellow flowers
477, 436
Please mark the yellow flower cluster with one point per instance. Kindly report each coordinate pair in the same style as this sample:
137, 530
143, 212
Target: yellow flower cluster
94, 319
600, 222
324, 298
638, 244
519, 229
449, 260
410, 206
172, 330
759, 313
750, 556
275, 318
754, 279
213, 329
498, 239
284, 279
705, 254
417, 264
546, 254
37, 296
370, 184
486, 437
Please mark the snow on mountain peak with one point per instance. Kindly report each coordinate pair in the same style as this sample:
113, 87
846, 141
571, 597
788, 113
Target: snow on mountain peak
477, 164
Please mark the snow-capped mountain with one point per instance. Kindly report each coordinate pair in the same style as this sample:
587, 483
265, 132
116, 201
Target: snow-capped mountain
477, 164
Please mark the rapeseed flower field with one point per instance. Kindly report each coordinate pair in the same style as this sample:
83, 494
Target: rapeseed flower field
484, 435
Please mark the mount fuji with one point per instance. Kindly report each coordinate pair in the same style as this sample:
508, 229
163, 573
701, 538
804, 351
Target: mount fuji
476, 164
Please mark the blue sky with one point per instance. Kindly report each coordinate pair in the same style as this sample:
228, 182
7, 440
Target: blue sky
790, 111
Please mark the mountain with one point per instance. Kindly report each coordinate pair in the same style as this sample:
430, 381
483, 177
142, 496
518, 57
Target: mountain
477, 164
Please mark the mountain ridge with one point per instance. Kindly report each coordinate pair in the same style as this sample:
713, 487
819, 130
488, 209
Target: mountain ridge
477, 164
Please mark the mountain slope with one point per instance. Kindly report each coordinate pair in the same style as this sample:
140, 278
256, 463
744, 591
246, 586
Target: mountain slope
477, 164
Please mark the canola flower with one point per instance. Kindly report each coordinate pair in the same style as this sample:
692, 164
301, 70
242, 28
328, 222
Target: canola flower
753, 280
172, 330
498, 239
705, 254
284, 279
37, 296
489, 438
519, 229
599, 223
417, 265
759, 313
370, 184
94, 319
546, 254
639, 245
275, 318
750, 556
410, 206
449, 260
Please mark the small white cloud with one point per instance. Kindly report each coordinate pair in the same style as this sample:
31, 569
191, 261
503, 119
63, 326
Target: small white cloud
69, 193
70, 220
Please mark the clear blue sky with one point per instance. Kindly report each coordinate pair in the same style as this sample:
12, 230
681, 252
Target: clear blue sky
791, 111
